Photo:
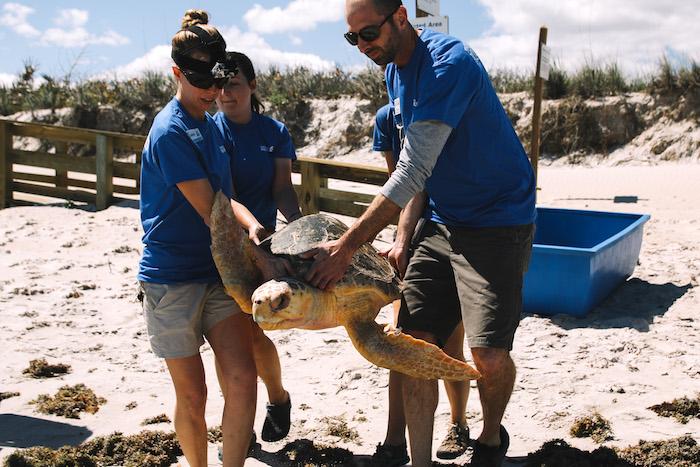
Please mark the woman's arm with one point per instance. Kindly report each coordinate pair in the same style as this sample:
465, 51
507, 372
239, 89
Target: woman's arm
200, 195
283, 191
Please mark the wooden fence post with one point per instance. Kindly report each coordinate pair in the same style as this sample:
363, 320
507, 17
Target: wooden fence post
5, 165
61, 174
537, 105
104, 168
310, 188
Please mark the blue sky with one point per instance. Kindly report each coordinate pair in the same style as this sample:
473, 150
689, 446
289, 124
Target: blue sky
98, 38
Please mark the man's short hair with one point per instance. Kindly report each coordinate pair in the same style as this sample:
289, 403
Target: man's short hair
386, 7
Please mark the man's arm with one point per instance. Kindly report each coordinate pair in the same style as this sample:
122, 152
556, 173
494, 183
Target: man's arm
411, 214
424, 144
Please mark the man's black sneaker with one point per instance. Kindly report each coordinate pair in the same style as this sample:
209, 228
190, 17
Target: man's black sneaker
387, 455
490, 456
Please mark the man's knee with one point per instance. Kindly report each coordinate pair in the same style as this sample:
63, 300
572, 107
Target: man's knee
491, 360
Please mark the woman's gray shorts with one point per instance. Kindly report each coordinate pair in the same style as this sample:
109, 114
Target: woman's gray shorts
178, 316
470, 274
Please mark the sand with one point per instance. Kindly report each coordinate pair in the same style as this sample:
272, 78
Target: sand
67, 294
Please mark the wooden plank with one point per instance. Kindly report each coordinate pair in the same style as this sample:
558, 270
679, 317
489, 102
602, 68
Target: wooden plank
52, 132
53, 161
5, 165
370, 177
346, 196
71, 182
310, 186
344, 208
127, 170
537, 106
127, 142
53, 192
104, 170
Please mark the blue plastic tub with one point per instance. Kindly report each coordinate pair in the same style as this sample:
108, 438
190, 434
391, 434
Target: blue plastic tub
578, 258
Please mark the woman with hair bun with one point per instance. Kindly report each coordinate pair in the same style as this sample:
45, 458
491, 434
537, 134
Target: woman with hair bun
184, 163
261, 152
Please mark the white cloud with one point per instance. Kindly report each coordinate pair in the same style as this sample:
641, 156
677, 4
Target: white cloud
632, 33
7, 79
295, 40
252, 44
72, 18
14, 16
73, 34
298, 15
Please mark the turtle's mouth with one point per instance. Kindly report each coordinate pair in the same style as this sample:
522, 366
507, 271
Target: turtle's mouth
272, 323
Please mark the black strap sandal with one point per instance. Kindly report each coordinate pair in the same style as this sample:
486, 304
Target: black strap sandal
277, 421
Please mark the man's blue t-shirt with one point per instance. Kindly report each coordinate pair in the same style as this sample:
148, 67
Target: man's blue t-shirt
176, 239
254, 147
482, 177
386, 135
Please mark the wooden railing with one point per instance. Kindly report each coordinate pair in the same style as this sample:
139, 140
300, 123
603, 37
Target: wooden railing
99, 178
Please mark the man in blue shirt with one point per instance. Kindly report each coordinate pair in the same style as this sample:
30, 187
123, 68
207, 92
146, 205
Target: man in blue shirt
471, 254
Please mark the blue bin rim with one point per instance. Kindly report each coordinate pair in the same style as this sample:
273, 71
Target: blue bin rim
607, 243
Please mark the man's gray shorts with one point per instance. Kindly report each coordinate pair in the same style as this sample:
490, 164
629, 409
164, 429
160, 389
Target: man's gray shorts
470, 274
178, 316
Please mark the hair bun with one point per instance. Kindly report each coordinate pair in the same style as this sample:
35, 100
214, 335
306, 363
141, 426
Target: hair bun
194, 17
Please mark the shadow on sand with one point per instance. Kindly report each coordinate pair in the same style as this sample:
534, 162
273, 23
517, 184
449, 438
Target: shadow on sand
634, 304
19, 431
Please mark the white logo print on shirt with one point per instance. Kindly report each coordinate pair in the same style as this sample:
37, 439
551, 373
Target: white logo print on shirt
195, 135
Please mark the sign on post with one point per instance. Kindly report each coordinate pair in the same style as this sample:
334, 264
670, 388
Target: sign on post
545, 62
436, 23
430, 7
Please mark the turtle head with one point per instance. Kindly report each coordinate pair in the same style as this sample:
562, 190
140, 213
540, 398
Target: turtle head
287, 303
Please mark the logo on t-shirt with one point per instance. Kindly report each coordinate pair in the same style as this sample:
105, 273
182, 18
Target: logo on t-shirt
222, 149
267, 148
195, 135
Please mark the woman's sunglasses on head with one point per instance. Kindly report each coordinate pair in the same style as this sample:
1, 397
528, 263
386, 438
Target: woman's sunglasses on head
368, 33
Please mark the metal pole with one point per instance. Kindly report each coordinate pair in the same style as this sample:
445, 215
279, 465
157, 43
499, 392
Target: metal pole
537, 106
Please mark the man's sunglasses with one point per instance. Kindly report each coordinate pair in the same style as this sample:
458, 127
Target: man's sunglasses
368, 33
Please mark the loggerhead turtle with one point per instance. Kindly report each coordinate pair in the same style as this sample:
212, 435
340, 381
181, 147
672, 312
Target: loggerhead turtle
289, 302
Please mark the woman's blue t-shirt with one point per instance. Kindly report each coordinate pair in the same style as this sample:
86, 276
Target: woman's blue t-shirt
386, 135
176, 239
253, 147
482, 177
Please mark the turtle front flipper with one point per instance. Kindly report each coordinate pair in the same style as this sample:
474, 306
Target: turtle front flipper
406, 354
233, 252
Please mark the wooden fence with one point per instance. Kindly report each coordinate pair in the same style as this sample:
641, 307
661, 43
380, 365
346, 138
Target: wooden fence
99, 178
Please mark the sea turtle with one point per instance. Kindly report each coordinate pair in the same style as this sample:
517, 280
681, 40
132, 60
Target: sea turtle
354, 302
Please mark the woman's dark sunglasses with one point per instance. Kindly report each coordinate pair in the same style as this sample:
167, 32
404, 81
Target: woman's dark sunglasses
204, 80
368, 33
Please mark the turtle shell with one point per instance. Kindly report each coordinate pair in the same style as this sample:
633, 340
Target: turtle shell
309, 231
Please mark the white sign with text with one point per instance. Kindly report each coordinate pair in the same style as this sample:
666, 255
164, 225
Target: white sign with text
436, 23
545, 62
432, 7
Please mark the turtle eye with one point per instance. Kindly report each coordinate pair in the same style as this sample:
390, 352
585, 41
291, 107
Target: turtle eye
280, 302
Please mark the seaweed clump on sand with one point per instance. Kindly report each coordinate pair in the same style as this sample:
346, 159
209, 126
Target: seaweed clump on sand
304, 453
40, 368
7, 395
162, 418
338, 427
147, 448
69, 401
593, 426
214, 434
683, 409
558, 453
677, 452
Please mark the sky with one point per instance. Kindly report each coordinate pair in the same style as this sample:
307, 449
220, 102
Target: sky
87, 39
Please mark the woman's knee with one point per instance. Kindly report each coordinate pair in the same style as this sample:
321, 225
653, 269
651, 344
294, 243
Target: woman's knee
193, 398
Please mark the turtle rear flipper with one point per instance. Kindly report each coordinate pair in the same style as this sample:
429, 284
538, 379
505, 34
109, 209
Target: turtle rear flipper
232, 252
406, 354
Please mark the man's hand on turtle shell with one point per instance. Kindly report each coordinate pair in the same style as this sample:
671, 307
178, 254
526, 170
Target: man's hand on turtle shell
257, 234
330, 263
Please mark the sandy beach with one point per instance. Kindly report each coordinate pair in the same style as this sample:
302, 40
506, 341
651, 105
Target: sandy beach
67, 294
